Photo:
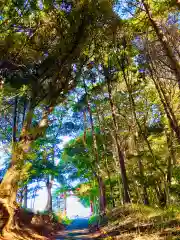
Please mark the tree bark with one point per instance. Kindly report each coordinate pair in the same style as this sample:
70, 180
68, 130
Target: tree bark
167, 108
102, 131
141, 171
102, 195
85, 120
164, 42
65, 203
25, 196
14, 129
36, 188
171, 161
9, 184
91, 207
20, 197
48, 207
96, 155
119, 150
161, 194
133, 105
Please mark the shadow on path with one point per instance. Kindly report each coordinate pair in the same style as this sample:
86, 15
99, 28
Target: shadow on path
78, 229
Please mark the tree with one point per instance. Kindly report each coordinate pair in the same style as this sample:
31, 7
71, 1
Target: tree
104, 73
47, 68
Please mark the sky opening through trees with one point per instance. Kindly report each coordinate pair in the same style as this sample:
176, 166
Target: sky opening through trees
90, 110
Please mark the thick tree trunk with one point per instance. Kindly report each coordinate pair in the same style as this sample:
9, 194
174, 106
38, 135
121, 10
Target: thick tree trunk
10, 181
48, 207
119, 150
9, 184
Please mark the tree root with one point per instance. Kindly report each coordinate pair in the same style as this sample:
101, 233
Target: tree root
20, 224
11, 224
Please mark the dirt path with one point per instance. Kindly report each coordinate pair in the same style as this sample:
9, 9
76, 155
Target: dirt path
77, 230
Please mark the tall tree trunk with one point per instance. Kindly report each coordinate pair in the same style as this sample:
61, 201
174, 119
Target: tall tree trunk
65, 203
85, 120
25, 196
141, 171
175, 65
48, 207
167, 108
24, 111
161, 194
171, 160
102, 131
21, 196
25, 192
102, 198
96, 155
122, 64
14, 128
133, 105
91, 207
34, 195
9, 184
119, 150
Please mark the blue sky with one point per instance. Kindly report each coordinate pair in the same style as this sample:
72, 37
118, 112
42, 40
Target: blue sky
74, 207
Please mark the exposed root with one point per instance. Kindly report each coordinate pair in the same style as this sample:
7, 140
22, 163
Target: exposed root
16, 223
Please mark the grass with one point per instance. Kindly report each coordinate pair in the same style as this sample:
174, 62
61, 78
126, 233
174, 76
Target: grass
142, 222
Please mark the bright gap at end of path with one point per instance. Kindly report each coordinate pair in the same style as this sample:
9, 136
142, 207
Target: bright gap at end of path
74, 206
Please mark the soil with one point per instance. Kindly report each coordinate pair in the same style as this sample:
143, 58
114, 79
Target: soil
78, 230
29, 226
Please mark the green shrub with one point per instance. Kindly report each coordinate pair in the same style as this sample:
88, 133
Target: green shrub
93, 219
62, 218
66, 220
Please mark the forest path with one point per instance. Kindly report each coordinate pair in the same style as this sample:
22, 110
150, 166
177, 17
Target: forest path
78, 229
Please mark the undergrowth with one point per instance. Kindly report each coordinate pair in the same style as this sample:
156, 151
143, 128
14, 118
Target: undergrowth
61, 218
93, 219
136, 220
